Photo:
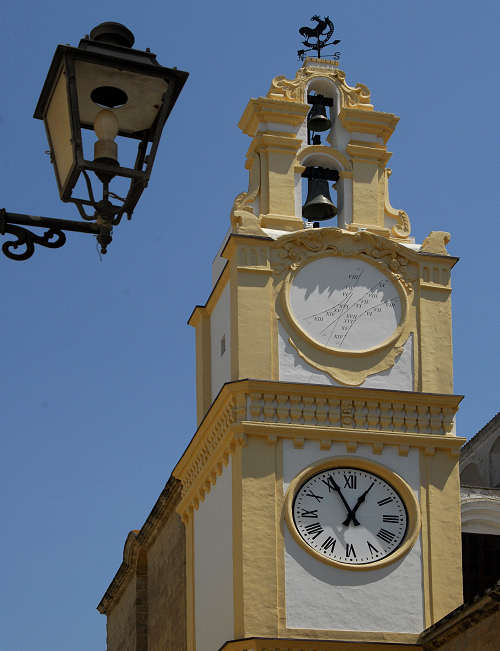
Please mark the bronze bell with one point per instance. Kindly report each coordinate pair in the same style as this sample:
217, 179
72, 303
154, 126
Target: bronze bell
317, 120
318, 205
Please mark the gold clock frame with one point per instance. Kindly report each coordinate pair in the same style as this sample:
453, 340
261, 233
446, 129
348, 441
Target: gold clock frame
399, 332
396, 482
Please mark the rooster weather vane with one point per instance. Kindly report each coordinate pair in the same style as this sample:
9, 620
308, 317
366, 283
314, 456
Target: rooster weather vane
322, 32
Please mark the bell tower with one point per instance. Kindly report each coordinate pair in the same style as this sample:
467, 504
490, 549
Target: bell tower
320, 493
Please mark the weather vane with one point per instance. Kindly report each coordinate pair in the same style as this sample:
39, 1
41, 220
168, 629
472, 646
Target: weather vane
322, 33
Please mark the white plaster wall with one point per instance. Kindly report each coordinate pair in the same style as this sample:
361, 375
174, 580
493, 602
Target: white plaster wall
320, 596
292, 368
220, 326
213, 566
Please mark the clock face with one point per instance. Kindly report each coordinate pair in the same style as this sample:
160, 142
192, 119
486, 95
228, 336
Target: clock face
350, 516
345, 303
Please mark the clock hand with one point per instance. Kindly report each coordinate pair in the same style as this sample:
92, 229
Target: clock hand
360, 500
350, 514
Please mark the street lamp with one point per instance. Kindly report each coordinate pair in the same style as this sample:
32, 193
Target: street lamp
107, 87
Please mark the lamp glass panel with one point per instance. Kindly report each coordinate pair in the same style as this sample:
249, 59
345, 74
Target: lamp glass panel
58, 124
144, 95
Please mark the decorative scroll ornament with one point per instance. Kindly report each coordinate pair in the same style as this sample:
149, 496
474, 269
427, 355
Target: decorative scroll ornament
402, 228
243, 218
344, 376
296, 248
294, 89
27, 239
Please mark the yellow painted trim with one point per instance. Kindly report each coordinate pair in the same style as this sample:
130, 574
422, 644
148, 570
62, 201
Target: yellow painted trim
237, 514
280, 539
400, 486
281, 222
368, 151
265, 109
428, 442
345, 414
204, 364
375, 122
272, 142
441, 534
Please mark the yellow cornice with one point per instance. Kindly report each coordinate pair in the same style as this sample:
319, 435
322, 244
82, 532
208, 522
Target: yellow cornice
368, 151
273, 142
265, 109
376, 122
282, 410
235, 239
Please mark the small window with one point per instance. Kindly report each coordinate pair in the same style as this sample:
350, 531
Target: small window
223, 345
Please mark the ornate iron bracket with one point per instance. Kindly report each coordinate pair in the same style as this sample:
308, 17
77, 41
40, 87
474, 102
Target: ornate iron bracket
53, 238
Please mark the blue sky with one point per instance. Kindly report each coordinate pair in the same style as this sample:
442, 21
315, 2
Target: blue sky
97, 389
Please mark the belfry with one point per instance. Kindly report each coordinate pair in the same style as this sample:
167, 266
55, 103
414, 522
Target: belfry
317, 505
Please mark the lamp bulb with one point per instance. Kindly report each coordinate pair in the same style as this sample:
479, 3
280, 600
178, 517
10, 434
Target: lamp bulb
106, 125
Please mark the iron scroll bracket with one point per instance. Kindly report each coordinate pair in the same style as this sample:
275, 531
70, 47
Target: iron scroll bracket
53, 238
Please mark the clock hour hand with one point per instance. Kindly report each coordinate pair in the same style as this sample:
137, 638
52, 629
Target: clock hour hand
352, 512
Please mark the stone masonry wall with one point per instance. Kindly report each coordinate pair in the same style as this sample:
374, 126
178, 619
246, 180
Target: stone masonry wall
167, 588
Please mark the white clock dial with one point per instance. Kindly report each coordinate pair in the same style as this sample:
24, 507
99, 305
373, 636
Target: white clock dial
345, 303
350, 516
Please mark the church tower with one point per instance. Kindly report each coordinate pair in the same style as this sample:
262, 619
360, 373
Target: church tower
320, 493
317, 505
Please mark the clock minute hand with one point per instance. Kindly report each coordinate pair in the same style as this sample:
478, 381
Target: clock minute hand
352, 513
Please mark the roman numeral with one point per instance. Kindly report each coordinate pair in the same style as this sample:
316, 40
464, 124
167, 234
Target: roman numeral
314, 528
309, 514
331, 483
390, 518
349, 551
372, 548
386, 500
316, 497
350, 481
329, 544
386, 536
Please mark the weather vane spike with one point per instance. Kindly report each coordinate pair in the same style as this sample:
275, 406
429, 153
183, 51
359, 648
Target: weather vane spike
325, 29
